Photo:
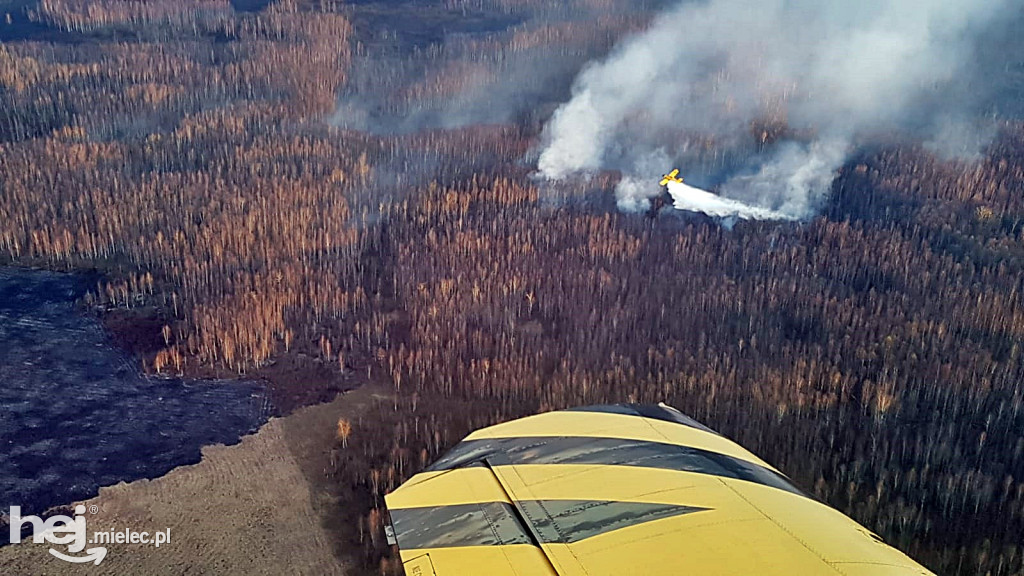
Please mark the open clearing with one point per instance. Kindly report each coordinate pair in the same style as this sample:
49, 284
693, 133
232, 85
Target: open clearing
258, 507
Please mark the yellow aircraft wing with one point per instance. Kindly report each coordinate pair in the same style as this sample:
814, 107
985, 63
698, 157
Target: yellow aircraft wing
621, 489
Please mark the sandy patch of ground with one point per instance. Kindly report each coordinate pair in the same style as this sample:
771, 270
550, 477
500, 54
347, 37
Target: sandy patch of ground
259, 507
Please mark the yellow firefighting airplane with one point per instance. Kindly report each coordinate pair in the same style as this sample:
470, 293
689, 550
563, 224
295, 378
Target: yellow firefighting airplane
621, 490
670, 177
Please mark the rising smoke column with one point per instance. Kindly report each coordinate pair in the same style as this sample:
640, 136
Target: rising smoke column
831, 70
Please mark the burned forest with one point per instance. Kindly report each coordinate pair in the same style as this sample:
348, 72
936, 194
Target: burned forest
320, 194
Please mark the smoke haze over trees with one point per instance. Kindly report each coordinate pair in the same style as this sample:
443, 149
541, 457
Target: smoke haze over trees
819, 76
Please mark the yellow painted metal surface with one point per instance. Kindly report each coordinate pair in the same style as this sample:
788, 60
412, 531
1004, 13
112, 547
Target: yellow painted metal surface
727, 525
598, 425
513, 560
447, 488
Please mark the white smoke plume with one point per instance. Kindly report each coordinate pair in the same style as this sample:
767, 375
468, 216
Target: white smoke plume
828, 71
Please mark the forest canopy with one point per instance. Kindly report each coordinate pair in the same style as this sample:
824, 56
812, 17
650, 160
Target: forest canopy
256, 181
